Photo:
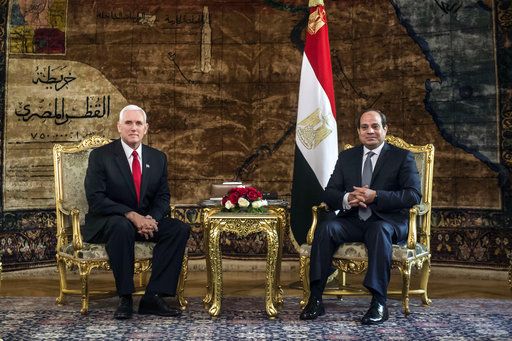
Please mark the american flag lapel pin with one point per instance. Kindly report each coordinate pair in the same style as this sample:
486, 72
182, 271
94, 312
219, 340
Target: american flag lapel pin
147, 165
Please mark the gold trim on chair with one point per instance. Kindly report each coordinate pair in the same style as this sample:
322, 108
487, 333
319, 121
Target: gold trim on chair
72, 252
352, 257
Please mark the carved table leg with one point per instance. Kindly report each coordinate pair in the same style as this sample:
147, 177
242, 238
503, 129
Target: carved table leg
206, 242
279, 290
272, 255
216, 269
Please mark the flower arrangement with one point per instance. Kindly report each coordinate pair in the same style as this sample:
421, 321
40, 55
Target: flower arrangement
244, 199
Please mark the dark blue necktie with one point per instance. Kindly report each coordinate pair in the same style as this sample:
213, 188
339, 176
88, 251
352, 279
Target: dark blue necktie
366, 179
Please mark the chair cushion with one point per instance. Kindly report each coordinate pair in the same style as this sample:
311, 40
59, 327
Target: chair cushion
358, 252
91, 251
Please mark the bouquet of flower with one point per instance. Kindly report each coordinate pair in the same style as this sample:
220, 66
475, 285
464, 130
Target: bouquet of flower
244, 199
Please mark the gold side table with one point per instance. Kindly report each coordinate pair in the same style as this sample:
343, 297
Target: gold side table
243, 224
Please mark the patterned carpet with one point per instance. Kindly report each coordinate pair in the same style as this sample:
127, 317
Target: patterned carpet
244, 319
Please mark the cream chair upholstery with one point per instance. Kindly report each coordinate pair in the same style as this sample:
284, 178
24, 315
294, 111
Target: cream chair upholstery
70, 165
353, 257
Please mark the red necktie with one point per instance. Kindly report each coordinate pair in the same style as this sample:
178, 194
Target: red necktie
136, 173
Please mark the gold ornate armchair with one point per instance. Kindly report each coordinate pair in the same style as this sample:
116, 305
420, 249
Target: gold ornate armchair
70, 165
353, 258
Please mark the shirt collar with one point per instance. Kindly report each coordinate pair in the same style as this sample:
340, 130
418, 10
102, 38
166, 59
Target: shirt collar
128, 150
376, 150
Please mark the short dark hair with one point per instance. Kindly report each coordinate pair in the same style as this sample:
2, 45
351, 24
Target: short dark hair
383, 118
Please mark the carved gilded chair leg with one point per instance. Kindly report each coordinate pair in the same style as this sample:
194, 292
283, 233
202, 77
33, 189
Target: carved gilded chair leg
405, 269
341, 277
143, 279
181, 283
425, 274
304, 275
84, 281
61, 265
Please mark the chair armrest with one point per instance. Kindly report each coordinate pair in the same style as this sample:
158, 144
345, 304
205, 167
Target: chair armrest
314, 211
64, 210
74, 214
414, 213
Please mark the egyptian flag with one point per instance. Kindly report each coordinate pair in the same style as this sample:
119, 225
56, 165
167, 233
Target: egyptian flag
316, 140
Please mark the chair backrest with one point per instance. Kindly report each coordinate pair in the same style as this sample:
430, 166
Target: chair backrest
424, 156
70, 165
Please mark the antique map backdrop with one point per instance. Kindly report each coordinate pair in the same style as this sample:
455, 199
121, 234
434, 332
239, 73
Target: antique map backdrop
219, 80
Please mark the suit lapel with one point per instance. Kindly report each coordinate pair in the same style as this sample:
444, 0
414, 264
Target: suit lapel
124, 166
145, 171
380, 161
359, 165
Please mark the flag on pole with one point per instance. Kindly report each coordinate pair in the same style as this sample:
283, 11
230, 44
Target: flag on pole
316, 139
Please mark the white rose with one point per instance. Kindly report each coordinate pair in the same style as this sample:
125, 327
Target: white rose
257, 203
243, 202
264, 202
229, 205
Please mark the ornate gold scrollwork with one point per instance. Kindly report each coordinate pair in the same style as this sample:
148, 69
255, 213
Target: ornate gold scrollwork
272, 224
350, 266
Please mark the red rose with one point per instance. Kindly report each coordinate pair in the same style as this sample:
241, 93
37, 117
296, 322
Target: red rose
253, 194
241, 191
233, 197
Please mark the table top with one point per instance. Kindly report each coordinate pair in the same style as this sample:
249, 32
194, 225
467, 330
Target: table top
242, 215
216, 202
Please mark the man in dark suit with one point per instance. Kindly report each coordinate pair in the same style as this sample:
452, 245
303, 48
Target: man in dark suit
128, 197
373, 186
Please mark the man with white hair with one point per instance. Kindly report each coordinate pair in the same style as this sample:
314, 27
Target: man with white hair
128, 196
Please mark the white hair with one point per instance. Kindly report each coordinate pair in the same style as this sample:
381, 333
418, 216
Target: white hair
132, 107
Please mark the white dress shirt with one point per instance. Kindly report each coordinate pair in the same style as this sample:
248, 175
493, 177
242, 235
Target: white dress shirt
375, 157
128, 152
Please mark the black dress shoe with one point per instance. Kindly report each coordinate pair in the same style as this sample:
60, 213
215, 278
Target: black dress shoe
125, 309
313, 309
377, 313
155, 305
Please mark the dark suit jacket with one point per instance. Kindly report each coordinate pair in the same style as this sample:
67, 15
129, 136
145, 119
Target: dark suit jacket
395, 178
110, 190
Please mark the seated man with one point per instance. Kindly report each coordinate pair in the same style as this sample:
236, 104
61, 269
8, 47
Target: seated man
373, 185
128, 197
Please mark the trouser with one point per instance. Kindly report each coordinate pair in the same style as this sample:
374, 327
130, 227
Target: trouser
119, 235
378, 236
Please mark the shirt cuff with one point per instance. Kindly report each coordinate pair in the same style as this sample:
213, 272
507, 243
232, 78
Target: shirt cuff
346, 205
